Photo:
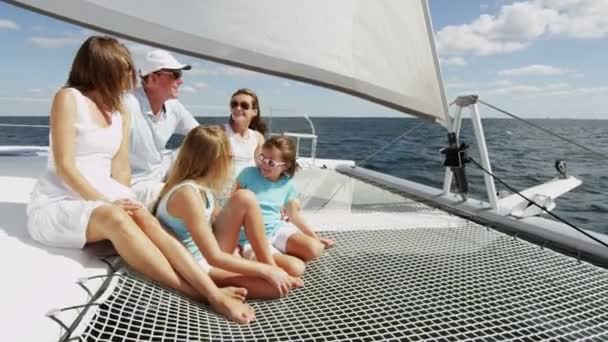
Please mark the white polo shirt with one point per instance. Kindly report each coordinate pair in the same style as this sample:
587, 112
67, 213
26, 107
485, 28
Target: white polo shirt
149, 157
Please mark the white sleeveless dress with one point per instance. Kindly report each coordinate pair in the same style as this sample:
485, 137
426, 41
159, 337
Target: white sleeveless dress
243, 149
59, 216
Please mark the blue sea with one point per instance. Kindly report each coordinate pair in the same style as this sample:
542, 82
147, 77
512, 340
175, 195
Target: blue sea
521, 155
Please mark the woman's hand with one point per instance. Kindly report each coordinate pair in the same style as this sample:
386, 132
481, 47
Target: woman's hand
278, 278
128, 205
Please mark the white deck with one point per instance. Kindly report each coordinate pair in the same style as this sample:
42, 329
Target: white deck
36, 278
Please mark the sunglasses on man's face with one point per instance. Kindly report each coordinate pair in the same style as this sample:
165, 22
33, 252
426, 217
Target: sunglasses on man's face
271, 163
244, 105
175, 74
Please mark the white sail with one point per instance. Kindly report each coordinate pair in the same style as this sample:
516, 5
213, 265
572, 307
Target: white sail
381, 50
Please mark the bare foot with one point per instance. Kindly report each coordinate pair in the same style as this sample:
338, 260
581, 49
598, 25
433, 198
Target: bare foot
233, 309
238, 293
329, 243
296, 282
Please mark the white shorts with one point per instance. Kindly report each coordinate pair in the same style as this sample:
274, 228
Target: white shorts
279, 240
63, 223
277, 243
147, 192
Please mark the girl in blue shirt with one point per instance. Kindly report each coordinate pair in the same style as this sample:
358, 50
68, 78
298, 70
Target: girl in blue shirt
186, 207
271, 182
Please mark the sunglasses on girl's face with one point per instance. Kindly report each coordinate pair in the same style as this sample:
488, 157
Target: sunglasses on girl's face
269, 162
244, 105
175, 74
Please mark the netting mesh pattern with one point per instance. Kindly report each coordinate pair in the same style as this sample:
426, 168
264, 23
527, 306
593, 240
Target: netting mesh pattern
460, 283
371, 198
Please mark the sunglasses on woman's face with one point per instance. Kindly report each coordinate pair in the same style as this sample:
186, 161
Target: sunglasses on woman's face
244, 105
271, 163
175, 74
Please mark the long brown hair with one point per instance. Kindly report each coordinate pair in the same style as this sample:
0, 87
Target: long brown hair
204, 153
257, 124
288, 152
103, 64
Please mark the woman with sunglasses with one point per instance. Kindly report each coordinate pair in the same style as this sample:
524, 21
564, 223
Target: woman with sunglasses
84, 197
271, 182
245, 129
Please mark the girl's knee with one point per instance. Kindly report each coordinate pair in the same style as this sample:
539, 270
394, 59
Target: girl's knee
295, 267
307, 248
314, 250
245, 196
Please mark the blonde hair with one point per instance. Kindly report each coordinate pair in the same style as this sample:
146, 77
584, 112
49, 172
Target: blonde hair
105, 65
204, 153
287, 148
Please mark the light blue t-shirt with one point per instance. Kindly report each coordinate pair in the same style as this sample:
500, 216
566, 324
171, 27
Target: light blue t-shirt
148, 154
272, 196
176, 225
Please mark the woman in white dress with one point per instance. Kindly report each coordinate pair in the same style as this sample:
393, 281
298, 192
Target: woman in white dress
245, 129
84, 197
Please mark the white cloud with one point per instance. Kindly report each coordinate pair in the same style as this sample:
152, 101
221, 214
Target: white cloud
24, 99
201, 85
453, 61
518, 24
550, 89
8, 25
557, 86
515, 89
593, 90
579, 18
456, 85
501, 83
66, 39
534, 70
187, 89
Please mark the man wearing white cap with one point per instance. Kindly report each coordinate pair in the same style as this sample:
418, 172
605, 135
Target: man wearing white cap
156, 116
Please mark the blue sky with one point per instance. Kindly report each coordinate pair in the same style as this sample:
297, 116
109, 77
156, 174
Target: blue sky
536, 58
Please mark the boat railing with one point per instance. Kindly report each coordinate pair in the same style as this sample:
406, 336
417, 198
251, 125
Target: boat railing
297, 136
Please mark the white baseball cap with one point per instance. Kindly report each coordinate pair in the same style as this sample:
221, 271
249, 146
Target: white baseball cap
160, 59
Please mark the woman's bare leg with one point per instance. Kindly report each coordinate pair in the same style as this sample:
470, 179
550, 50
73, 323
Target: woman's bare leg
143, 243
110, 222
243, 209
